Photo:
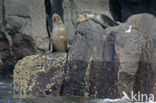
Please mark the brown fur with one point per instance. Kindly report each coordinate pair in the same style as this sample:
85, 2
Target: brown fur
58, 39
101, 19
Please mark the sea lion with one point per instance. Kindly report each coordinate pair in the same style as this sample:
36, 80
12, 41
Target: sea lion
101, 19
58, 39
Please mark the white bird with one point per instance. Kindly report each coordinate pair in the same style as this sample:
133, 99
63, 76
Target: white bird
129, 29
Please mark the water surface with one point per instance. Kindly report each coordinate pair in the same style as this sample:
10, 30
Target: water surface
6, 96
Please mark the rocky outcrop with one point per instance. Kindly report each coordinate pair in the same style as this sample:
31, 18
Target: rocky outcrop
119, 10
29, 17
92, 63
26, 24
40, 74
72, 9
23, 45
90, 69
103, 63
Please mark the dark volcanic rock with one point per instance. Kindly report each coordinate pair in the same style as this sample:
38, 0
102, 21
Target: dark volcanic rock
92, 63
145, 75
136, 53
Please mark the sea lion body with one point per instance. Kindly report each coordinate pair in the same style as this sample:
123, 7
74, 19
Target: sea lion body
101, 19
58, 38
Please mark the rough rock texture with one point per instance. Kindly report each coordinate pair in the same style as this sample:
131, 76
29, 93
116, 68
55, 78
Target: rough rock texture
72, 8
29, 17
101, 62
146, 71
40, 74
4, 50
91, 67
92, 63
26, 24
136, 52
23, 45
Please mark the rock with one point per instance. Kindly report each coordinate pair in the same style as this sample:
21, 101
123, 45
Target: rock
132, 7
4, 50
29, 18
40, 74
146, 71
136, 54
72, 9
23, 45
89, 72
101, 62
25, 22
92, 64
119, 10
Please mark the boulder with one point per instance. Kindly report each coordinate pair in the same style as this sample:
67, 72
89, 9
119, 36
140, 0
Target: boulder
92, 63
40, 74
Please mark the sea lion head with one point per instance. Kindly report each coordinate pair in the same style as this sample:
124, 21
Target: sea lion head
56, 18
85, 15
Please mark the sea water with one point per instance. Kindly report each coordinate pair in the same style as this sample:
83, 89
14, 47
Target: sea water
6, 96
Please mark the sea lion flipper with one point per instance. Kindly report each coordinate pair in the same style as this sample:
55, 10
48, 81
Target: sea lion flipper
50, 46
